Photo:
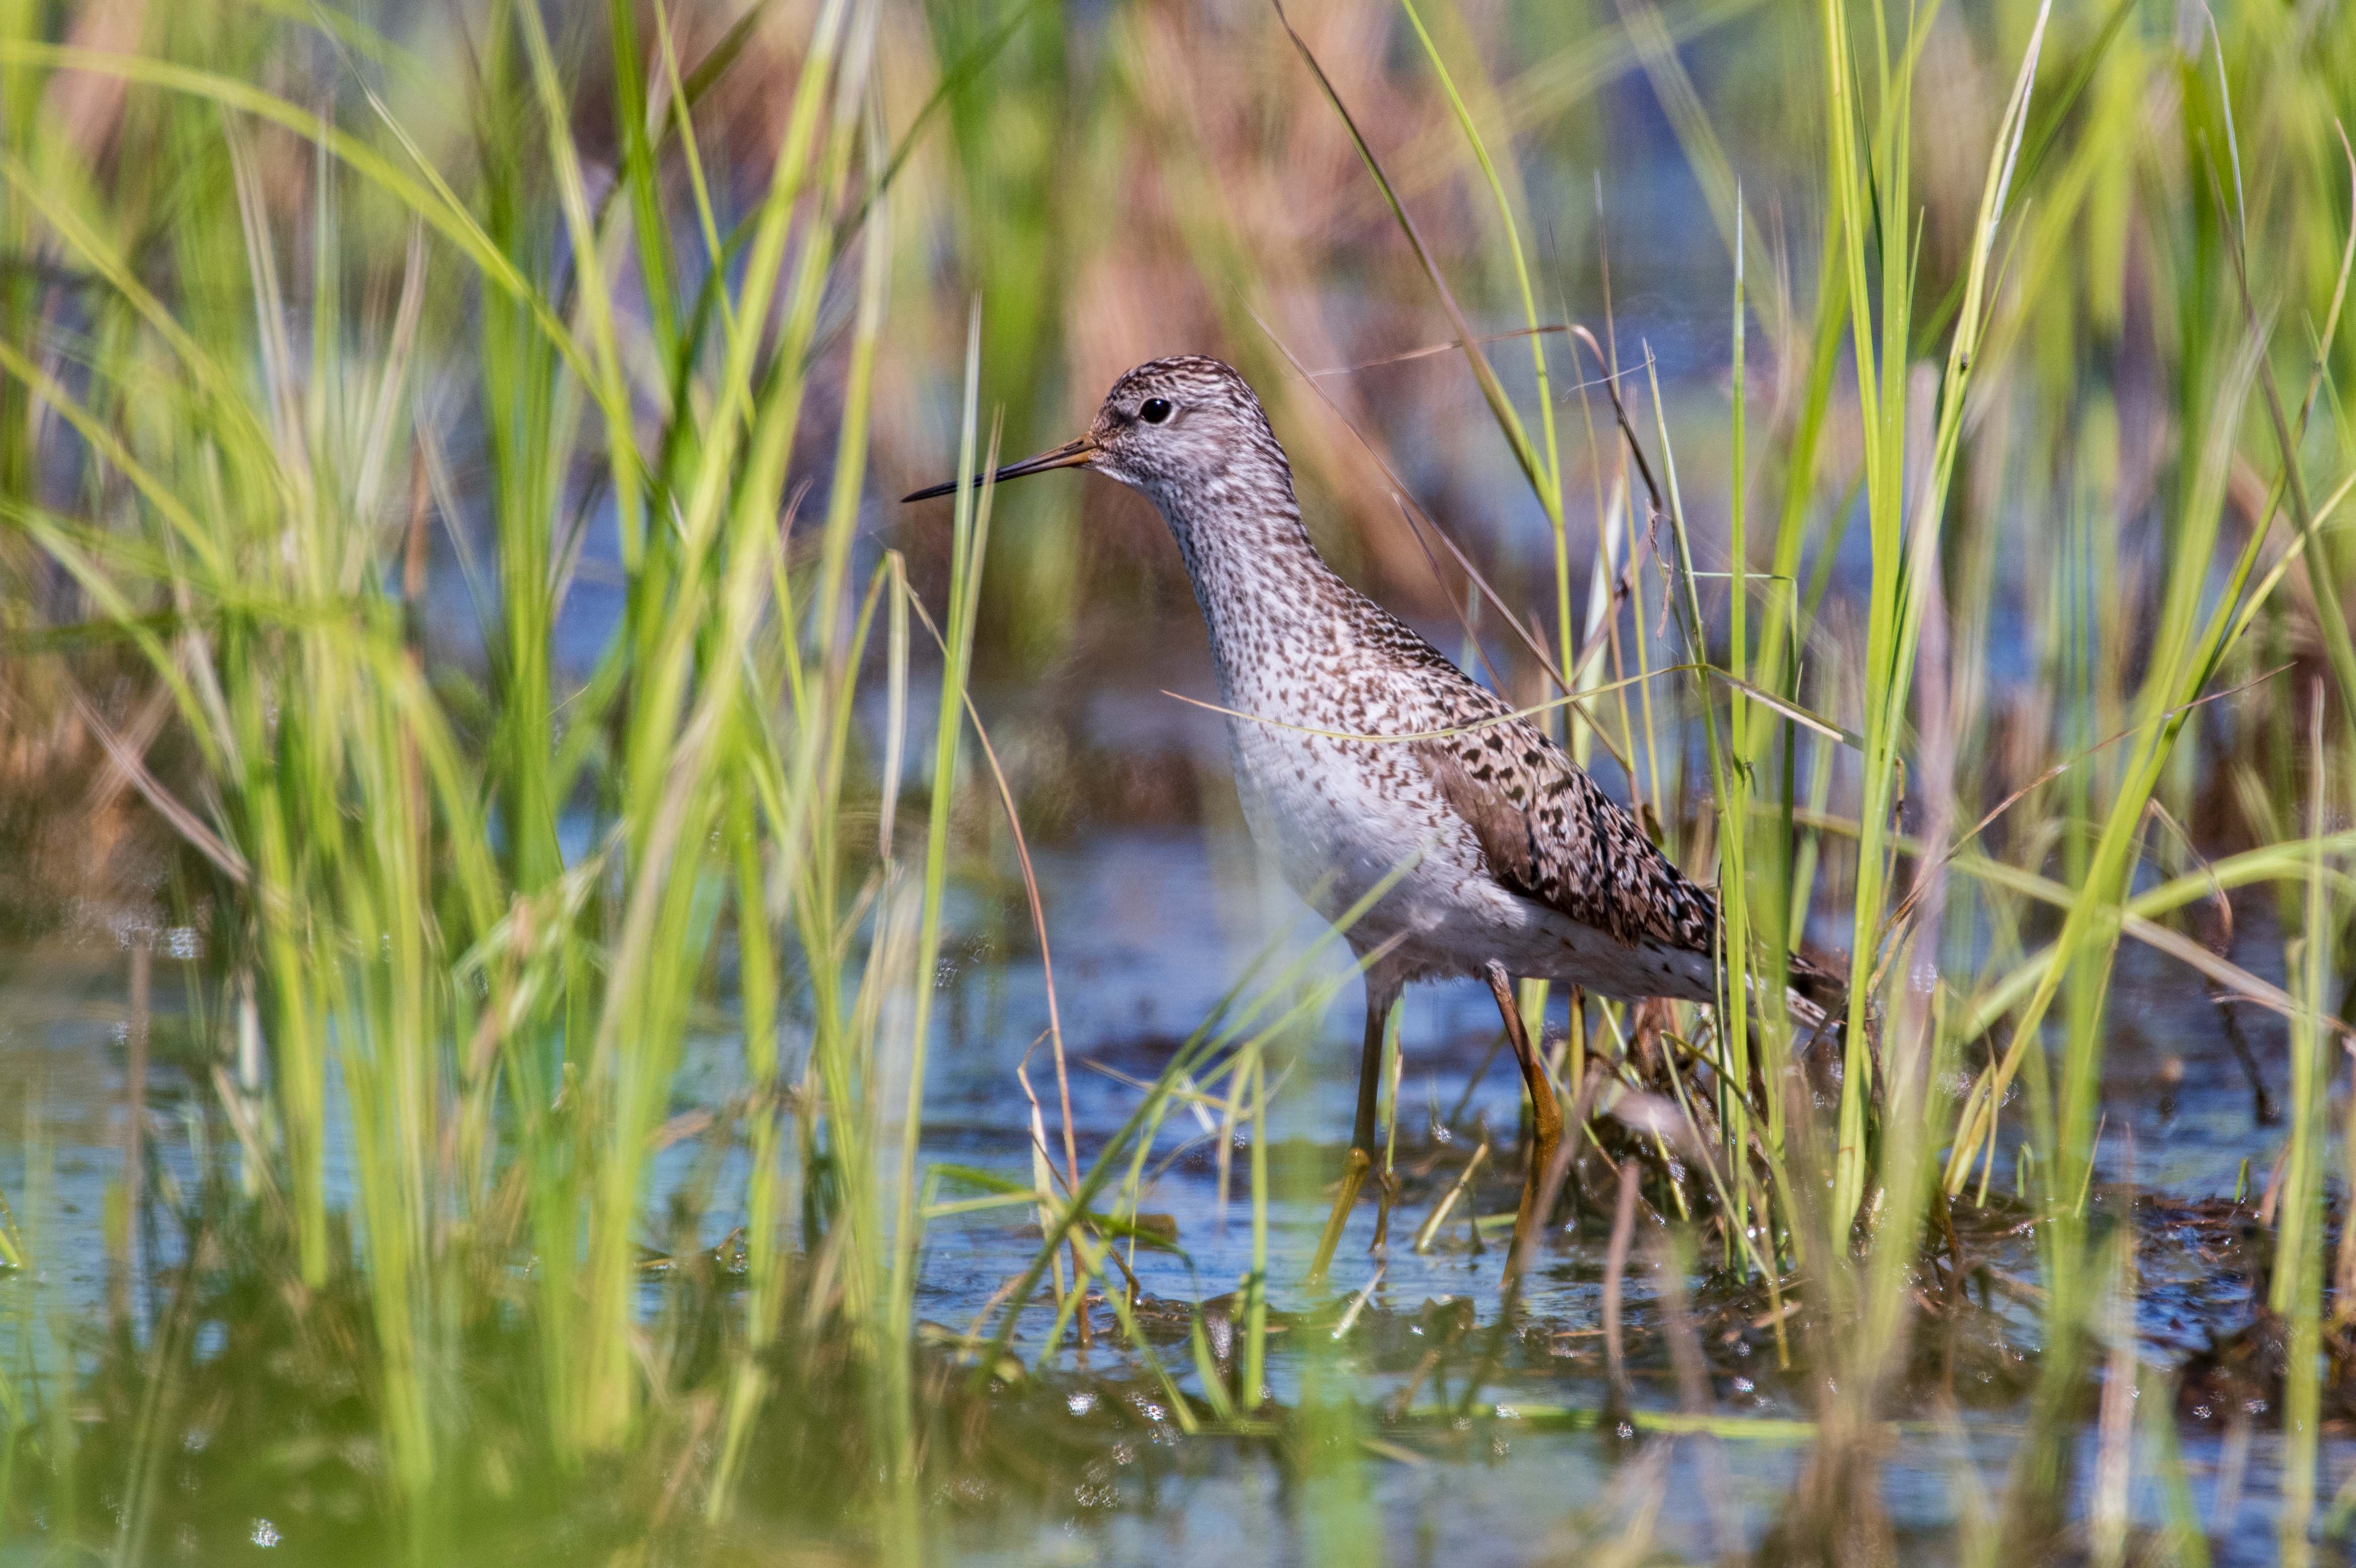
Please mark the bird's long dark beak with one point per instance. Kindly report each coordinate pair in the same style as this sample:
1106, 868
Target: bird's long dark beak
1071, 454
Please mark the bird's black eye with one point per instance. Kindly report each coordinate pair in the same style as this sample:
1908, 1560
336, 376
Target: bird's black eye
1155, 411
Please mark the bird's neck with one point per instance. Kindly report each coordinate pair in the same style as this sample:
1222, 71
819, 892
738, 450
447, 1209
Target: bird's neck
1268, 597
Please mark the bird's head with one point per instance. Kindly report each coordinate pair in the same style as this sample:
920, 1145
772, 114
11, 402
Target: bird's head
1167, 427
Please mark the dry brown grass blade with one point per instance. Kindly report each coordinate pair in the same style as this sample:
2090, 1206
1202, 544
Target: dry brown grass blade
1898, 915
1491, 388
1531, 710
1611, 380
185, 822
1615, 1270
1433, 351
1039, 926
136, 737
1419, 522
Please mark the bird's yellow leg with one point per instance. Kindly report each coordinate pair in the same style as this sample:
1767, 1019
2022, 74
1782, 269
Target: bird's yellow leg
1382, 991
1546, 1113
1354, 1176
1386, 1197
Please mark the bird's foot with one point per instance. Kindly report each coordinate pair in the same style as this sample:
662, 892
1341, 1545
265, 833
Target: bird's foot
1527, 1220
1386, 1191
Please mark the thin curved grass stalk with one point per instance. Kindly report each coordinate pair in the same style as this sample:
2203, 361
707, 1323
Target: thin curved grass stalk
968, 544
1039, 929
1218, 1035
2140, 917
2296, 1290
1253, 1384
1237, 1056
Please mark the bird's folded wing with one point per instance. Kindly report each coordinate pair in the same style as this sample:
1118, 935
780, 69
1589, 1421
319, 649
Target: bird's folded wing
1551, 834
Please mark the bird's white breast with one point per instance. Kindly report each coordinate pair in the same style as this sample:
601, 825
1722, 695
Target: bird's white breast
1340, 816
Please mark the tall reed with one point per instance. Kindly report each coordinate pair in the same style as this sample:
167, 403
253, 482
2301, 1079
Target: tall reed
481, 914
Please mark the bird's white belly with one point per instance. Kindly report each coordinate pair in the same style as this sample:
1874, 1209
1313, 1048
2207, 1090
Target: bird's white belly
1340, 817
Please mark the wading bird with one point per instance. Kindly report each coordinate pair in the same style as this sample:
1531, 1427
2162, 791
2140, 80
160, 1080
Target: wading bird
1367, 756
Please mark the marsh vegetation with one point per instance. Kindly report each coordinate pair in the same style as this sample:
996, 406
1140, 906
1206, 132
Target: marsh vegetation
579, 987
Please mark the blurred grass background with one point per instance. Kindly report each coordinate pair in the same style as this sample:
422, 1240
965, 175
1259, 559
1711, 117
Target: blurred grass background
448, 564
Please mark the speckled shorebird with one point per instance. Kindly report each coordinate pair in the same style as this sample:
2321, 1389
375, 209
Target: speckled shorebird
1516, 863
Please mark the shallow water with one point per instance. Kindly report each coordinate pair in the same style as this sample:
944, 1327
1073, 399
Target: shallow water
1144, 929
1148, 931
